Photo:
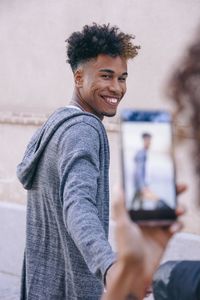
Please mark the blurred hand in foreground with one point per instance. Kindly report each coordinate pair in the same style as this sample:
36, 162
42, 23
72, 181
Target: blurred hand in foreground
140, 250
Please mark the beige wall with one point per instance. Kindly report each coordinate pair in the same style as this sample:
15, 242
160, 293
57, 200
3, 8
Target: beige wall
35, 78
33, 74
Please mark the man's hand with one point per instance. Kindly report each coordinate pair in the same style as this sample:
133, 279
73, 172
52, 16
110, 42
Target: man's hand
181, 188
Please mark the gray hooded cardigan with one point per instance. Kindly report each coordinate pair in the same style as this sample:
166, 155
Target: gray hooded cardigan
65, 170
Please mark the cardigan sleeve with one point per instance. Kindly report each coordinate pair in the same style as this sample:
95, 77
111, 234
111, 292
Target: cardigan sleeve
80, 175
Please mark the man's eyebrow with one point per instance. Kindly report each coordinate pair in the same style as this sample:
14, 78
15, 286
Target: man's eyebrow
112, 72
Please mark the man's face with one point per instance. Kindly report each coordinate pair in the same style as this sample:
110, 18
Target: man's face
101, 84
147, 142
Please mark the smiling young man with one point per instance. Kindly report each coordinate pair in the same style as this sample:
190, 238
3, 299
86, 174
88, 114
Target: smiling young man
65, 170
100, 85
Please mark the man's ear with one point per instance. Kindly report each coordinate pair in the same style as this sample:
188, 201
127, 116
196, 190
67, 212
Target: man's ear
78, 78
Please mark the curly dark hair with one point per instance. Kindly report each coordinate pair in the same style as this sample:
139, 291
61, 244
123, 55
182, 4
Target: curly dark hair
184, 90
99, 39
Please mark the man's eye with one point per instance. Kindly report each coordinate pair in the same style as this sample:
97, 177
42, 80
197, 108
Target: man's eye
106, 76
122, 79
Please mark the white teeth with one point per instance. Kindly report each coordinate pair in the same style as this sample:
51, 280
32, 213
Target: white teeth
112, 100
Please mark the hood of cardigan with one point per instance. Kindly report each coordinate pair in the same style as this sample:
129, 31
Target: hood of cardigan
27, 168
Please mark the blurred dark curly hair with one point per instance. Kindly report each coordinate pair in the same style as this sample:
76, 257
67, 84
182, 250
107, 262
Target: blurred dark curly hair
184, 90
99, 39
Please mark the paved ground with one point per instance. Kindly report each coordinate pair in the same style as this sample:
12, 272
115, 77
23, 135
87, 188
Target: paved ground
12, 233
9, 286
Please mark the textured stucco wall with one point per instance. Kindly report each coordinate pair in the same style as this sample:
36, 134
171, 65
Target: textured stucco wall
34, 76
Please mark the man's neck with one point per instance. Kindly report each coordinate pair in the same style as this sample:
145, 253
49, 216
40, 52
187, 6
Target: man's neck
75, 104
75, 101
78, 102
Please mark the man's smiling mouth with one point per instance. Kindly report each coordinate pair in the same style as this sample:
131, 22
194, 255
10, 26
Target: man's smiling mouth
111, 100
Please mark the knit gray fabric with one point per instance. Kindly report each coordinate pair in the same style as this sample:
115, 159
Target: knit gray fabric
65, 170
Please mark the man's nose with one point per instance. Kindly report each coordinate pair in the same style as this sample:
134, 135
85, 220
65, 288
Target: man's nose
115, 86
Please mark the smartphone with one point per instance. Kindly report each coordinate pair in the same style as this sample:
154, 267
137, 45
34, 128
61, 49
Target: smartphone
148, 169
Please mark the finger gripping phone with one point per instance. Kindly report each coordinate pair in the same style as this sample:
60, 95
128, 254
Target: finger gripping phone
148, 169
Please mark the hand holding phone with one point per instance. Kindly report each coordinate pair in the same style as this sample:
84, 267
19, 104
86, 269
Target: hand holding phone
148, 166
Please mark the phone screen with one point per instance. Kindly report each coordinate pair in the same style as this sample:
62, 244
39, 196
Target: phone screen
148, 165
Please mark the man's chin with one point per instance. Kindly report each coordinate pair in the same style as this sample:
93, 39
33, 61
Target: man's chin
109, 114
